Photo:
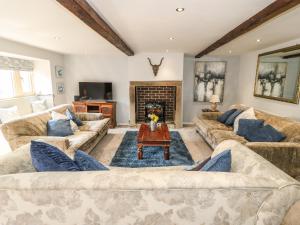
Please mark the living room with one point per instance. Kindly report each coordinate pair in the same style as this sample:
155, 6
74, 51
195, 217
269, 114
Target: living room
170, 112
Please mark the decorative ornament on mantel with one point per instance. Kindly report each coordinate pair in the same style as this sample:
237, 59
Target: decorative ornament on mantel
155, 68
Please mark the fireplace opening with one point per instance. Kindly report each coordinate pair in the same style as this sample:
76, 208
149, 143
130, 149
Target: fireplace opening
157, 108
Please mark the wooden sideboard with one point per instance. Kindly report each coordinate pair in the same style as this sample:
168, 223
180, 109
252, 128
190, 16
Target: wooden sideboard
108, 109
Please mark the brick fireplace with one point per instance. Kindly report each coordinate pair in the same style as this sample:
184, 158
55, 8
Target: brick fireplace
163, 96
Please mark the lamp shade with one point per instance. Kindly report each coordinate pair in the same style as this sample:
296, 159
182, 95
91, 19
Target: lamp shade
214, 99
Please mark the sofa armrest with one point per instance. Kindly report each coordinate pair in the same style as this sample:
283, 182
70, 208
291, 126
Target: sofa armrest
285, 155
90, 116
209, 115
59, 142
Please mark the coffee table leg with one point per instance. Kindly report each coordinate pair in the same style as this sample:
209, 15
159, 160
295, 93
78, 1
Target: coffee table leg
166, 153
140, 152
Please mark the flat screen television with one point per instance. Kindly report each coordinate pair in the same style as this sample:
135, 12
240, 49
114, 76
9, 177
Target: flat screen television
95, 90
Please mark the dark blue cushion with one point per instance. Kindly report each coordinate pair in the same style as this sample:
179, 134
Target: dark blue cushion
265, 134
46, 157
231, 118
247, 125
222, 118
59, 128
219, 163
87, 162
73, 117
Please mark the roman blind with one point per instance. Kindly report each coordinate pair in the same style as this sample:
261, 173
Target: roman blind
9, 63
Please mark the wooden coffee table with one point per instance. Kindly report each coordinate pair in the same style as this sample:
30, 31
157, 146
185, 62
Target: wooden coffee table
160, 137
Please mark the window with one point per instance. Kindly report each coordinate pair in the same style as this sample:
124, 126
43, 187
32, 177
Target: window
15, 83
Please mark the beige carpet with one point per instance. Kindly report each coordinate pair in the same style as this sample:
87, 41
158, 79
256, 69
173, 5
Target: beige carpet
106, 149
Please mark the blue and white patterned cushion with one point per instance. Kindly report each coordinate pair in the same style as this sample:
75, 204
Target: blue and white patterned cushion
219, 163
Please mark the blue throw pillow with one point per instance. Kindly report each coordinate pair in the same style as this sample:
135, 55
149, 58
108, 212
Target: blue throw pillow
231, 118
265, 134
73, 117
46, 157
247, 125
219, 163
59, 128
222, 118
87, 162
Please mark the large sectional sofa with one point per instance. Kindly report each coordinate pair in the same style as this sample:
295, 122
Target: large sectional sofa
23, 130
255, 192
285, 154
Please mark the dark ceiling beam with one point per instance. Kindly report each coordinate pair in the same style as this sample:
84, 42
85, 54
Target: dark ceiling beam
90, 17
271, 11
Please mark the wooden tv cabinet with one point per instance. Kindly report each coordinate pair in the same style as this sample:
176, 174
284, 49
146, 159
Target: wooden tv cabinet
107, 108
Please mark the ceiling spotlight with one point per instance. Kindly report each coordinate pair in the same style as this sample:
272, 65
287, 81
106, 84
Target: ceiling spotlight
171, 38
258, 40
180, 9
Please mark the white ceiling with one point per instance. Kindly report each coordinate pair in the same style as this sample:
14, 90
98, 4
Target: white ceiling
144, 25
281, 29
39, 22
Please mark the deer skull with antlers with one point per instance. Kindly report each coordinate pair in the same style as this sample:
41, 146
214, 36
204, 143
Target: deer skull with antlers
155, 68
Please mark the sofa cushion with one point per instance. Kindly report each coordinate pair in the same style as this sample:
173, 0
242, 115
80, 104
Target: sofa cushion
95, 126
247, 125
73, 117
59, 116
80, 138
217, 136
17, 161
265, 134
87, 163
46, 157
59, 128
222, 118
219, 163
198, 165
231, 118
248, 114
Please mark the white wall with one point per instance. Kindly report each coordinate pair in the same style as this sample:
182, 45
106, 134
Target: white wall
120, 70
139, 68
100, 68
248, 63
22, 50
191, 108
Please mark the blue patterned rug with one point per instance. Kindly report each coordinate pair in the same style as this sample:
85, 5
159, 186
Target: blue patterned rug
126, 155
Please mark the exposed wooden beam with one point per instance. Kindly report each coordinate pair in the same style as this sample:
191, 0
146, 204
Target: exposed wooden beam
89, 16
272, 10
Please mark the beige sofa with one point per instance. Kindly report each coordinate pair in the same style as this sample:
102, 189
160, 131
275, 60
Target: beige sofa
285, 154
23, 130
254, 193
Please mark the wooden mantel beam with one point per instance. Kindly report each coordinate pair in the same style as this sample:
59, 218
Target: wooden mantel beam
90, 17
271, 11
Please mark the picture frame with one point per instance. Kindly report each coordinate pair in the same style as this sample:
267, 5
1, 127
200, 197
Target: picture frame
60, 88
59, 71
209, 79
277, 77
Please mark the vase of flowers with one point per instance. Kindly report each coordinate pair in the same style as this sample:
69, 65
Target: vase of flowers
153, 121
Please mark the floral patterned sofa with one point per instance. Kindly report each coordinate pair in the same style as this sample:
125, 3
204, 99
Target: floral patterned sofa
21, 131
285, 154
254, 193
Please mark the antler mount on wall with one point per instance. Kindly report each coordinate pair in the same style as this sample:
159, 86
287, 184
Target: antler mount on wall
155, 68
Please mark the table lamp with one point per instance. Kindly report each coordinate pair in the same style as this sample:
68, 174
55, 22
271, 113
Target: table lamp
214, 100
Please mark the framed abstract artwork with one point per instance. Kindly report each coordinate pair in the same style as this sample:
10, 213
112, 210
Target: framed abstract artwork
209, 80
